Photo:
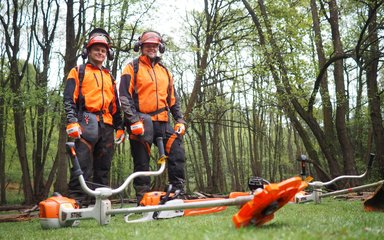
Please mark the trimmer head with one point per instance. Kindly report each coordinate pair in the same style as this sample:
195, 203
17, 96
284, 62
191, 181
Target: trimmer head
266, 202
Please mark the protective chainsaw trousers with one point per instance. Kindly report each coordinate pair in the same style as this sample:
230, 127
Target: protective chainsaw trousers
174, 149
95, 162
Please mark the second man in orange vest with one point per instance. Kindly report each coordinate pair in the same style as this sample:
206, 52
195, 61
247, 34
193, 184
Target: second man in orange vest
147, 96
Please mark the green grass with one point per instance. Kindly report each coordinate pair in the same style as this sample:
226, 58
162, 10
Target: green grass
332, 219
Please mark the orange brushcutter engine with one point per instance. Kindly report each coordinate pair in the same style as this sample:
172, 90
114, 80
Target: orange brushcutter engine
50, 214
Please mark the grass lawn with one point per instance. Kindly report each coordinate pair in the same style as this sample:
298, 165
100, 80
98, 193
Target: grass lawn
332, 219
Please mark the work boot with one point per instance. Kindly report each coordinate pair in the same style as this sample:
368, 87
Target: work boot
140, 191
178, 190
80, 198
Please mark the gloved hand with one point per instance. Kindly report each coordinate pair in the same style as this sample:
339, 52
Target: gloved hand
120, 136
74, 130
137, 128
180, 128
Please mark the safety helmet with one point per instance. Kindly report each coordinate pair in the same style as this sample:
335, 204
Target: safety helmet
98, 39
150, 37
98, 36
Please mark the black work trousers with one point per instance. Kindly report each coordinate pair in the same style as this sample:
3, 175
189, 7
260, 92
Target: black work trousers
174, 149
95, 161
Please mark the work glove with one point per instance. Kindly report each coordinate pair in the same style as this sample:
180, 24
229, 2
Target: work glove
180, 128
137, 128
120, 136
74, 130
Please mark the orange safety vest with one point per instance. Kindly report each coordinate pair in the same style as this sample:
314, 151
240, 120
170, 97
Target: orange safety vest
151, 88
98, 89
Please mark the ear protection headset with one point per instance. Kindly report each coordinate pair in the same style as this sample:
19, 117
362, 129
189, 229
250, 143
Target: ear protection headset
150, 37
94, 37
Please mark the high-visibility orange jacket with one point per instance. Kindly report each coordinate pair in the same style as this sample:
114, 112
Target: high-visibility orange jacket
153, 92
99, 92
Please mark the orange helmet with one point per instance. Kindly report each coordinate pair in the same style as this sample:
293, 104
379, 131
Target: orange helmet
99, 35
101, 39
150, 37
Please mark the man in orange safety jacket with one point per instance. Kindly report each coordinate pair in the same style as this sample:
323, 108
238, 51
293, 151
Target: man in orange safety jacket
93, 113
147, 96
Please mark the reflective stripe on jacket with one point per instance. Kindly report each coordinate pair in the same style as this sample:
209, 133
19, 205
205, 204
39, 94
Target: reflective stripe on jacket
153, 85
99, 92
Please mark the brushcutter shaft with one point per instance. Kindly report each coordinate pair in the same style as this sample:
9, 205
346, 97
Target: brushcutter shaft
354, 189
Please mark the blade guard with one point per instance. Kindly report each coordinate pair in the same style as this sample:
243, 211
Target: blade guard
49, 211
266, 202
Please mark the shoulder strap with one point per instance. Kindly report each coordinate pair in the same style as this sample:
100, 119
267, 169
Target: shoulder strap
135, 65
81, 72
135, 71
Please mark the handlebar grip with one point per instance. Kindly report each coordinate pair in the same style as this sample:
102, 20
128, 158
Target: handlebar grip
371, 158
160, 145
70, 147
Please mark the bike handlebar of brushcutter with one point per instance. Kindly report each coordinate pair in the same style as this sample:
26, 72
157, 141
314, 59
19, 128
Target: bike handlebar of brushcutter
369, 166
161, 161
106, 191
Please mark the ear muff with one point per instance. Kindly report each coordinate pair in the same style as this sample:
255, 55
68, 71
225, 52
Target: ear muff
139, 42
84, 52
161, 47
110, 54
137, 45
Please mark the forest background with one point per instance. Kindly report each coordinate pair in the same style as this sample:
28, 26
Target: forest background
261, 83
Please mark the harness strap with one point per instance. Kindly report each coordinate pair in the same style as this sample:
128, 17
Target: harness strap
81, 101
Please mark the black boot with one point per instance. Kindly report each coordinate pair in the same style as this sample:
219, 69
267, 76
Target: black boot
179, 190
140, 191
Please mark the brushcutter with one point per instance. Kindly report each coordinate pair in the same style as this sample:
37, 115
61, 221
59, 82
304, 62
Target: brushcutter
317, 192
257, 208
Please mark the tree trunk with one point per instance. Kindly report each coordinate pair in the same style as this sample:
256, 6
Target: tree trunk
42, 128
3, 132
16, 74
371, 67
234, 155
216, 185
329, 130
342, 101
72, 42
